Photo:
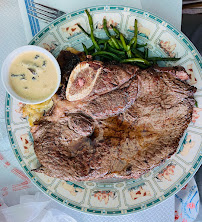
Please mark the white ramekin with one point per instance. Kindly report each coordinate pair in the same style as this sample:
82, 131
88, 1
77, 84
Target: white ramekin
6, 66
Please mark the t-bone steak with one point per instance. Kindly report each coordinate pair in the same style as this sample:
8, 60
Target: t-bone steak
129, 121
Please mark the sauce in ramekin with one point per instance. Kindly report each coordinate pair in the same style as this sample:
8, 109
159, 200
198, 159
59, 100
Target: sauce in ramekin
33, 75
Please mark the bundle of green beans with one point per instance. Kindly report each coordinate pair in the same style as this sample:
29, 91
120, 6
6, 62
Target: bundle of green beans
118, 48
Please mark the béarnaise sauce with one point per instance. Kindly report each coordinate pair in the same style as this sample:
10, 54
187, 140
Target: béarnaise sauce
33, 75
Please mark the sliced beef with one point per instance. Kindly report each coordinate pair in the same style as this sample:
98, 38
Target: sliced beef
124, 132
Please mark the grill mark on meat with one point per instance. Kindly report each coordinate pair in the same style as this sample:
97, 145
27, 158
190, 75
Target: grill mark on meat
122, 133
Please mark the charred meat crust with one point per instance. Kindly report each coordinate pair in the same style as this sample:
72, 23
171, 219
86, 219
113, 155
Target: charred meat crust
67, 61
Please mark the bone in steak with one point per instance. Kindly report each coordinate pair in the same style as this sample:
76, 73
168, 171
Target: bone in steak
122, 129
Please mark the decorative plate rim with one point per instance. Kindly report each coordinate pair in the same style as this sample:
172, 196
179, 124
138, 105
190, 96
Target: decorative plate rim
104, 212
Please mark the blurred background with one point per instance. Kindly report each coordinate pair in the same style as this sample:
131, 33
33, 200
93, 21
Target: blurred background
192, 28
192, 22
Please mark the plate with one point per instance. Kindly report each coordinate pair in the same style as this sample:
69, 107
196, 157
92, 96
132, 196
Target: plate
122, 197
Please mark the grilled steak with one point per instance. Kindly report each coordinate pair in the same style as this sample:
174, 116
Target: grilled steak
122, 129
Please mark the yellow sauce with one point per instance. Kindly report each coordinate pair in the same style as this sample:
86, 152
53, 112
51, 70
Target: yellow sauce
33, 76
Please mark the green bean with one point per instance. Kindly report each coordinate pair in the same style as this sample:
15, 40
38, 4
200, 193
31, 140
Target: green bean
83, 30
126, 40
85, 49
115, 30
100, 53
101, 41
141, 65
94, 41
136, 60
118, 33
89, 35
162, 59
123, 41
111, 43
141, 45
113, 39
115, 50
135, 34
118, 48
90, 20
126, 47
133, 41
138, 53
120, 44
91, 48
105, 28
146, 53
105, 46
129, 54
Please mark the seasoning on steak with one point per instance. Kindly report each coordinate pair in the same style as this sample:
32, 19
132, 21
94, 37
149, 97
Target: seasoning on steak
120, 132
